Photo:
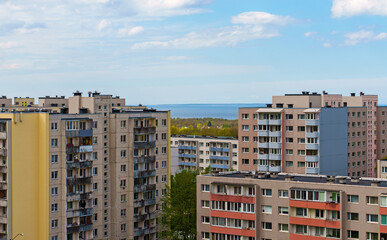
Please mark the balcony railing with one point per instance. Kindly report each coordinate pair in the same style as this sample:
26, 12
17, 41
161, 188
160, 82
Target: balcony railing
221, 166
72, 149
3, 135
150, 144
187, 147
183, 155
3, 185
143, 188
147, 173
78, 180
79, 133
190, 164
86, 148
144, 130
3, 152
85, 164
219, 158
144, 159
150, 202
214, 149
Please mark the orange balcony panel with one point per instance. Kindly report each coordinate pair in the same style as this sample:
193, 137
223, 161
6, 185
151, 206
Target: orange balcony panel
383, 229
383, 210
233, 231
305, 237
314, 222
228, 198
315, 205
236, 215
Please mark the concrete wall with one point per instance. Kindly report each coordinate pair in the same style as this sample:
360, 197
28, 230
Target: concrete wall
333, 141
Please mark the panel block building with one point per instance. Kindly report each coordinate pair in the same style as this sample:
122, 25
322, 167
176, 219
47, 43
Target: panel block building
252, 205
313, 133
199, 153
107, 166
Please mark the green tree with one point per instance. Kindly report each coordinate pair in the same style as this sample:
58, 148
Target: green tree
178, 214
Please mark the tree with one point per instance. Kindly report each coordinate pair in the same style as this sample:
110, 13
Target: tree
178, 214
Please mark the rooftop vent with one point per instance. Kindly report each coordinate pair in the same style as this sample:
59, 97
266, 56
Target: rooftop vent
361, 93
77, 93
353, 94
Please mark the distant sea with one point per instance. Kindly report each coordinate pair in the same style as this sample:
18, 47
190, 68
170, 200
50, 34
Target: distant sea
227, 111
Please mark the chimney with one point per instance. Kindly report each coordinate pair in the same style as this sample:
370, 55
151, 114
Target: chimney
361, 93
89, 94
353, 94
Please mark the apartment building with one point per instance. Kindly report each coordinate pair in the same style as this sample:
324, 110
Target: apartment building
199, 153
264, 206
108, 166
313, 133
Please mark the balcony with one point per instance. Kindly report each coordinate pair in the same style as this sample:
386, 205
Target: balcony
3, 170
139, 217
3, 220
310, 158
150, 144
312, 134
263, 144
263, 121
3, 202
275, 157
78, 180
3, 152
79, 133
274, 168
263, 168
72, 228
149, 230
190, 164
3, 185
85, 227
144, 130
72, 149
143, 188
138, 232
150, 202
312, 170
183, 155
213, 149
312, 122
222, 158
275, 145
311, 146
145, 159
145, 173
138, 203
86, 148
275, 134
85, 164
3, 135
187, 147
263, 156
263, 133
275, 122
220, 166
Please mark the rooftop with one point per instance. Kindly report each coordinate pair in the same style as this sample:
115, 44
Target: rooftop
204, 137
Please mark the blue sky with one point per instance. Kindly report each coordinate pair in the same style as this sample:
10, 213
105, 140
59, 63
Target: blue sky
193, 51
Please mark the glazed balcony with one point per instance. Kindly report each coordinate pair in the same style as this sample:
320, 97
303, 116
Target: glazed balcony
79, 133
78, 180
186, 147
145, 159
144, 130
144, 173
214, 149
83, 164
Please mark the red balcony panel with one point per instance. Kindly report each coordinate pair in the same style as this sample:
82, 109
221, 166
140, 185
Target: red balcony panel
230, 198
233, 231
315, 205
236, 215
383, 210
383, 229
305, 237
314, 222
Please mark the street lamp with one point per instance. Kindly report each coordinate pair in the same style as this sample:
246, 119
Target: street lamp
20, 234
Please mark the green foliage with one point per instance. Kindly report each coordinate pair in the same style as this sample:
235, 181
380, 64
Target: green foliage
205, 127
178, 214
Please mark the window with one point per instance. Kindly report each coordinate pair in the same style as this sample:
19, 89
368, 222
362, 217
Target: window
205, 188
245, 116
245, 127
205, 219
245, 139
266, 192
54, 126
54, 175
372, 218
289, 151
353, 198
54, 191
267, 209
301, 164
372, 236
54, 207
283, 210
164, 178
353, 234
283, 227
54, 223
289, 163
123, 153
289, 116
205, 204
283, 193
301, 128
163, 150
123, 183
267, 226
54, 238
163, 136
353, 216
301, 152
54, 158
123, 212
383, 201
245, 161
372, 200
163, 122
289, 128
123, 227
301, 116
123, 124
333, 232
205, 235
301, 212
123, 138
301, 229
54, 142
123, 197
319, 213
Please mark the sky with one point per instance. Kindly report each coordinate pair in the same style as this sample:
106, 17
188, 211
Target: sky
193, 51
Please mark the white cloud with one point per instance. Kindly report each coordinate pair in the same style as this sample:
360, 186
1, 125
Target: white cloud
102, 24
354, 38
349, 8
327, 45
308, 34
177, 58
260, 18
248, 26
130, 31
9, 66
170, 7
8, 44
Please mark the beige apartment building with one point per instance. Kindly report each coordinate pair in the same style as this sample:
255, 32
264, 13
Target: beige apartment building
264, 206
108, 166
199, 153
313, 133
